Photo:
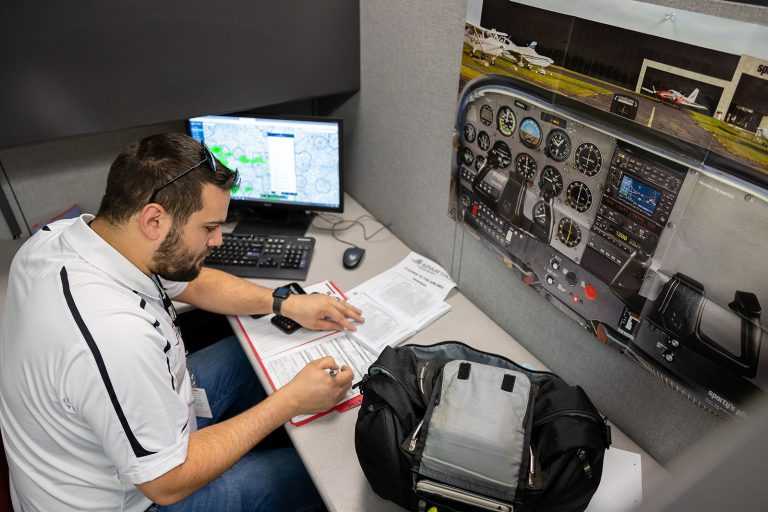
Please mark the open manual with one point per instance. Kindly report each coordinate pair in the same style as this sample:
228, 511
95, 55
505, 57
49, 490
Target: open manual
396, 304
400, 302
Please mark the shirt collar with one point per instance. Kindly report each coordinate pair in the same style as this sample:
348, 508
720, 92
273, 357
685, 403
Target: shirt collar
94, 249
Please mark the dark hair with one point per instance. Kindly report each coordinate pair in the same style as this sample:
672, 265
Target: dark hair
151, 163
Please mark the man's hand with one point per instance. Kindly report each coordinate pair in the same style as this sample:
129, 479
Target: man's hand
320, 312
314, 390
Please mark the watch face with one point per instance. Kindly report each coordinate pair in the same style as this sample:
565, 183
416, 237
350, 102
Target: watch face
282, 292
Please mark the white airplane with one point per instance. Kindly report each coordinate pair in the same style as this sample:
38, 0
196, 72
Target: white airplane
487, 42
494, 44
676, 98
529, 54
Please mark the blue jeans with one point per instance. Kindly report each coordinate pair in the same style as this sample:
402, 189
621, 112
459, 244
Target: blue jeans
268, 478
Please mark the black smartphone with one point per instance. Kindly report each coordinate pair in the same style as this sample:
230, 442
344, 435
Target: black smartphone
284, 323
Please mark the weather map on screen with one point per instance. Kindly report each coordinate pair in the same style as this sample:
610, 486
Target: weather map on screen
280, 161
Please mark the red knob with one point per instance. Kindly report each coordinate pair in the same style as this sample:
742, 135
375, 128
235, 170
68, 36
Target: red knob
590, 292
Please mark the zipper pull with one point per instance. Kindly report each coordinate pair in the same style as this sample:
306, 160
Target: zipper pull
531, 470
415, 436
582, 455
421, 378
361, 383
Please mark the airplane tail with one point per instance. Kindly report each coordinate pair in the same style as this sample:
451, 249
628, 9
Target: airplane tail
693, 96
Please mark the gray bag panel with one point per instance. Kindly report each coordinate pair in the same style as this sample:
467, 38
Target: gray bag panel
476, 434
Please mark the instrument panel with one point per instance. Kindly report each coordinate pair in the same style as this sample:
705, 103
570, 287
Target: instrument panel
590, 213
560, 164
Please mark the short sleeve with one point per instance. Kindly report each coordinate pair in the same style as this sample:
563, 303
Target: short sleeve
173, 288
121, 387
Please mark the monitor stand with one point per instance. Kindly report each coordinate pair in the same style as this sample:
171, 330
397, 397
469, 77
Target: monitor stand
274, 222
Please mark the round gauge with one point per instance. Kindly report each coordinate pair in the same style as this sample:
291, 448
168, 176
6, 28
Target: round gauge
484, 141
479, 161
550, 182
467, 157
506, 121
502, 153
578, 196
541, 213
588, 159
568, 232
525, 166
530, 133
470, 132
558, 145
486, 115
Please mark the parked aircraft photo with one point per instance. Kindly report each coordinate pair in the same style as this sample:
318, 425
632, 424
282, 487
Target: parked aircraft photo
492, 44
676, 98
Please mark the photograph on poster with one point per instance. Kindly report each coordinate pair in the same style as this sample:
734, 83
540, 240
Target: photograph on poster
616, 156
710, 97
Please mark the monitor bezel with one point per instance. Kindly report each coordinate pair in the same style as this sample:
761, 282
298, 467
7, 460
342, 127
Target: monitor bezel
288, 207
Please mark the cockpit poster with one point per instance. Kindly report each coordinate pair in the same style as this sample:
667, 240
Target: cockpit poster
616, 156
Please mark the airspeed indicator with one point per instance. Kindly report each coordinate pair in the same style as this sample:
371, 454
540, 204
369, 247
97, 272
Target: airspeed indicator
506, 121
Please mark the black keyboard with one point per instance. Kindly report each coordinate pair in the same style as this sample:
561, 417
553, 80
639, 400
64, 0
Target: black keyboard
264, 256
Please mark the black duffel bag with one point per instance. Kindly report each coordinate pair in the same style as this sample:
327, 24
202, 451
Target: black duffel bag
461, 429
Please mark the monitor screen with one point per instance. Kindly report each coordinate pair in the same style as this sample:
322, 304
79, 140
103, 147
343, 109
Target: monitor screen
639, 194
282, 161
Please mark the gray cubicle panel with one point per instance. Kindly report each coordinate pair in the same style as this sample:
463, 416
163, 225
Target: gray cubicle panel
101, 66
398, 153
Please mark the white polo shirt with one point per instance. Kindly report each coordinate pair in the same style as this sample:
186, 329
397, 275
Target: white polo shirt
95, 396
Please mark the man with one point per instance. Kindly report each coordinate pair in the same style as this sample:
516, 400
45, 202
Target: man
97, 406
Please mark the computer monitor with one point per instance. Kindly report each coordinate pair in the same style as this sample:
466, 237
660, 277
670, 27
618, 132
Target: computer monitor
289, 167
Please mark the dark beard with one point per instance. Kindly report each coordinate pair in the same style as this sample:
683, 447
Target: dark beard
173, 262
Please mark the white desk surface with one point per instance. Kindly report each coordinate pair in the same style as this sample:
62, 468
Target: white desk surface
326, 445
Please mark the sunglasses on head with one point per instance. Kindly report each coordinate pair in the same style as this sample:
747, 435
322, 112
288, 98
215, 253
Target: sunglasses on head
207, 159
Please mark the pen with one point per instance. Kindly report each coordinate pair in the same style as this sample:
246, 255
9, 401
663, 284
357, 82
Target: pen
335, 371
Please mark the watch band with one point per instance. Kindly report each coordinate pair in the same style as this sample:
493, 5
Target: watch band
277, 303
278, 296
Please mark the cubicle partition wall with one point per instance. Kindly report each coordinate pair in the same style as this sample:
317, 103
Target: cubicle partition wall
78, 81
409, 166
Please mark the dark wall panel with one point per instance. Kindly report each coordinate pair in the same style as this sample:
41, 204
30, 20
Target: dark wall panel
70, 69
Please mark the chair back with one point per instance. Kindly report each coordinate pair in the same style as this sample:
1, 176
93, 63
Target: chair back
5, 491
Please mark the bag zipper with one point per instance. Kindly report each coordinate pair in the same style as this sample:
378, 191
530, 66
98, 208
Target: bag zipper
523, 369
385, 371
531, 471
576, 413
415, 436
421, 377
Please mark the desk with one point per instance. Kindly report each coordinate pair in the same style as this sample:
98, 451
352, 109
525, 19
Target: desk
327, 444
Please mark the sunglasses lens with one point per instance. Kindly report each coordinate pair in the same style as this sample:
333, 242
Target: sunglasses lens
211, 160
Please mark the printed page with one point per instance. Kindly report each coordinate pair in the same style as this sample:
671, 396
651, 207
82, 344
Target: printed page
382, 326
400, 302
346, 351
427, 273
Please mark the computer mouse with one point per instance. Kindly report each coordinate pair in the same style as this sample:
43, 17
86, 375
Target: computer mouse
352, 257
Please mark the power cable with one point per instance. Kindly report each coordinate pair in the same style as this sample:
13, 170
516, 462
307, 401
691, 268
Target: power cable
334, 228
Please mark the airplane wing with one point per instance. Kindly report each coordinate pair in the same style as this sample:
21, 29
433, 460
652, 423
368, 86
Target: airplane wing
485, 32
528, 53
